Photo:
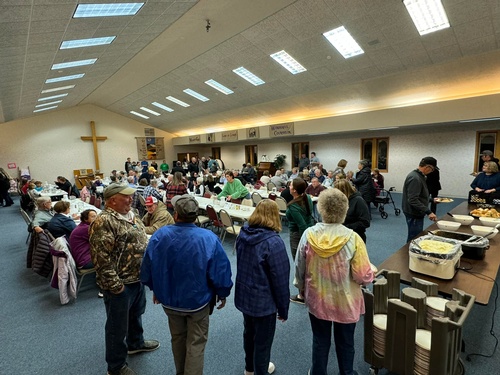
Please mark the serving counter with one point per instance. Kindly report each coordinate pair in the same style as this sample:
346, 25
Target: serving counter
475, 276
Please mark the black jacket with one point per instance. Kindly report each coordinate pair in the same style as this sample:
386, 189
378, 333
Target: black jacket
364, 184
358, 215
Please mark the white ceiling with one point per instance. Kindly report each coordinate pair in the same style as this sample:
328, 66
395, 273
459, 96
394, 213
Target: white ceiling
165, 49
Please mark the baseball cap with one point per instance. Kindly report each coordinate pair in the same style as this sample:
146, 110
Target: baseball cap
185, 205
151, 200
487, 153
152, 169
429, 160
114, 189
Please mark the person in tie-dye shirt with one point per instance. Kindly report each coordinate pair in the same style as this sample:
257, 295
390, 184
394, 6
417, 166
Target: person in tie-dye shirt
331, 265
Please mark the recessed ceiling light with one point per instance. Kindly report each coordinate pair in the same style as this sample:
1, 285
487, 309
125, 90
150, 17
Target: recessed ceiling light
343, 42
107, 10
196, 95
65, 78
58, 89
46, 104
168, 109
73, 64
177, 101
288, 62
139, 114
91, 42
249, 76
150, 111
52, 97
427, 15
216, 85
45, 109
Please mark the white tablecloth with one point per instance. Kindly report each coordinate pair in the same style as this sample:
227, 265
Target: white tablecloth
234, 210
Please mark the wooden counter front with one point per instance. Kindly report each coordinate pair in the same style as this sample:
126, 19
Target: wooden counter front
478, 281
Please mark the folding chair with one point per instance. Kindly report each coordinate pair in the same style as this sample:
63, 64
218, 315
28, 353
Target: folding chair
92, 199
214, 218
247, 202
256, 198
282, 206
229, 227
98, 202
28, 221
271, 186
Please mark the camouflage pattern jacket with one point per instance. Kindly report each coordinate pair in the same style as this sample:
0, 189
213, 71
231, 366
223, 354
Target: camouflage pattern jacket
117, 247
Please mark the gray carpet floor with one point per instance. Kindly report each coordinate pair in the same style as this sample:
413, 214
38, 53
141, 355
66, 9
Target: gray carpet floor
39, 336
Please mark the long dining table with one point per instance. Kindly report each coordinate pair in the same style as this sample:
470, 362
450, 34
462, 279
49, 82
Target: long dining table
475, 276
234, 210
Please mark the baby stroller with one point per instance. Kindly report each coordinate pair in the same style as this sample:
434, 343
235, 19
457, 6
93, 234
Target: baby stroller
384, 197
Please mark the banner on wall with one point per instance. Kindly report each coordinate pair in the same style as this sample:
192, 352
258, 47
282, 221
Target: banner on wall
210, 137
252, 133
150, 148
231, 135
281, 130
194, 139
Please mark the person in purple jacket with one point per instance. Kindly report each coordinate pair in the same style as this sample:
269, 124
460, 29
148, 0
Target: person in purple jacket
79, 240
262, 291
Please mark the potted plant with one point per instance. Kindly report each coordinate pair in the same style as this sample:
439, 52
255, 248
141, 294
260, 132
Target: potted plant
279, 161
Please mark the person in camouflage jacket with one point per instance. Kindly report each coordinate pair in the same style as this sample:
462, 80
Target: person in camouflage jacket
117, 244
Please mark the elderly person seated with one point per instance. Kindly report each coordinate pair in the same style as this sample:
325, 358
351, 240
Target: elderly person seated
331, 266
62, 224
198, 187
329, 180
295, 174
278, 180
489, 180
265, 177
43, 214
79, 245
157, 215
249, 173
152, 190
233, 189
315, 188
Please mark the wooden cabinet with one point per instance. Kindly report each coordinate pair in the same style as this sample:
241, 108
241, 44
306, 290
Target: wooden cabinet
85, 176
265, 166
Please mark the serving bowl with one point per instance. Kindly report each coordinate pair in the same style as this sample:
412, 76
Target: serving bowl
448, 225
464, 219
489, 221
480, 230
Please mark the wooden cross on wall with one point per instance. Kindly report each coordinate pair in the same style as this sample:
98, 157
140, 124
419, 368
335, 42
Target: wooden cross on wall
94, 138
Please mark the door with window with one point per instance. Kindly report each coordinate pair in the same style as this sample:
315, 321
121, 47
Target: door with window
298, 149
486, 141
376, 151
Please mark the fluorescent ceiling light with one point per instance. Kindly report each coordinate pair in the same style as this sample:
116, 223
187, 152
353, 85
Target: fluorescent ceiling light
177, 101
139, 114
150, 111
107, 10
73, 64
50, 103
427, 15
288, 62
343, 42
78, 43
58, 89
482, 119
45, 109
249, 76
216, 85
52, 97
65, 78
168, 109
196, 95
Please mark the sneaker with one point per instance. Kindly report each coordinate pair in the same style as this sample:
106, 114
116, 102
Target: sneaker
100, 295
125, 370
149, 346
297, 299
271, 368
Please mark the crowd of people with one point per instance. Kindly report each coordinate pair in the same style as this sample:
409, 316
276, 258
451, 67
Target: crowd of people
328, 214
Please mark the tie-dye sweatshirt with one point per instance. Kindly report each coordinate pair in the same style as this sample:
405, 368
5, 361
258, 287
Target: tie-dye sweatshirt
330, 267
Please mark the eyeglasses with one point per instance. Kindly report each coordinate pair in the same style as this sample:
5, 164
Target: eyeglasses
431, 167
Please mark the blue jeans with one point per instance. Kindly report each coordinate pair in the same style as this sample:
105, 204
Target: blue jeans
123, 328
343, 335
258, 338
415, 226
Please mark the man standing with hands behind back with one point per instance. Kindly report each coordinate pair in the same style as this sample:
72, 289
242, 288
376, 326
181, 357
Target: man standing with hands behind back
416, 197
187, 269
117, 245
